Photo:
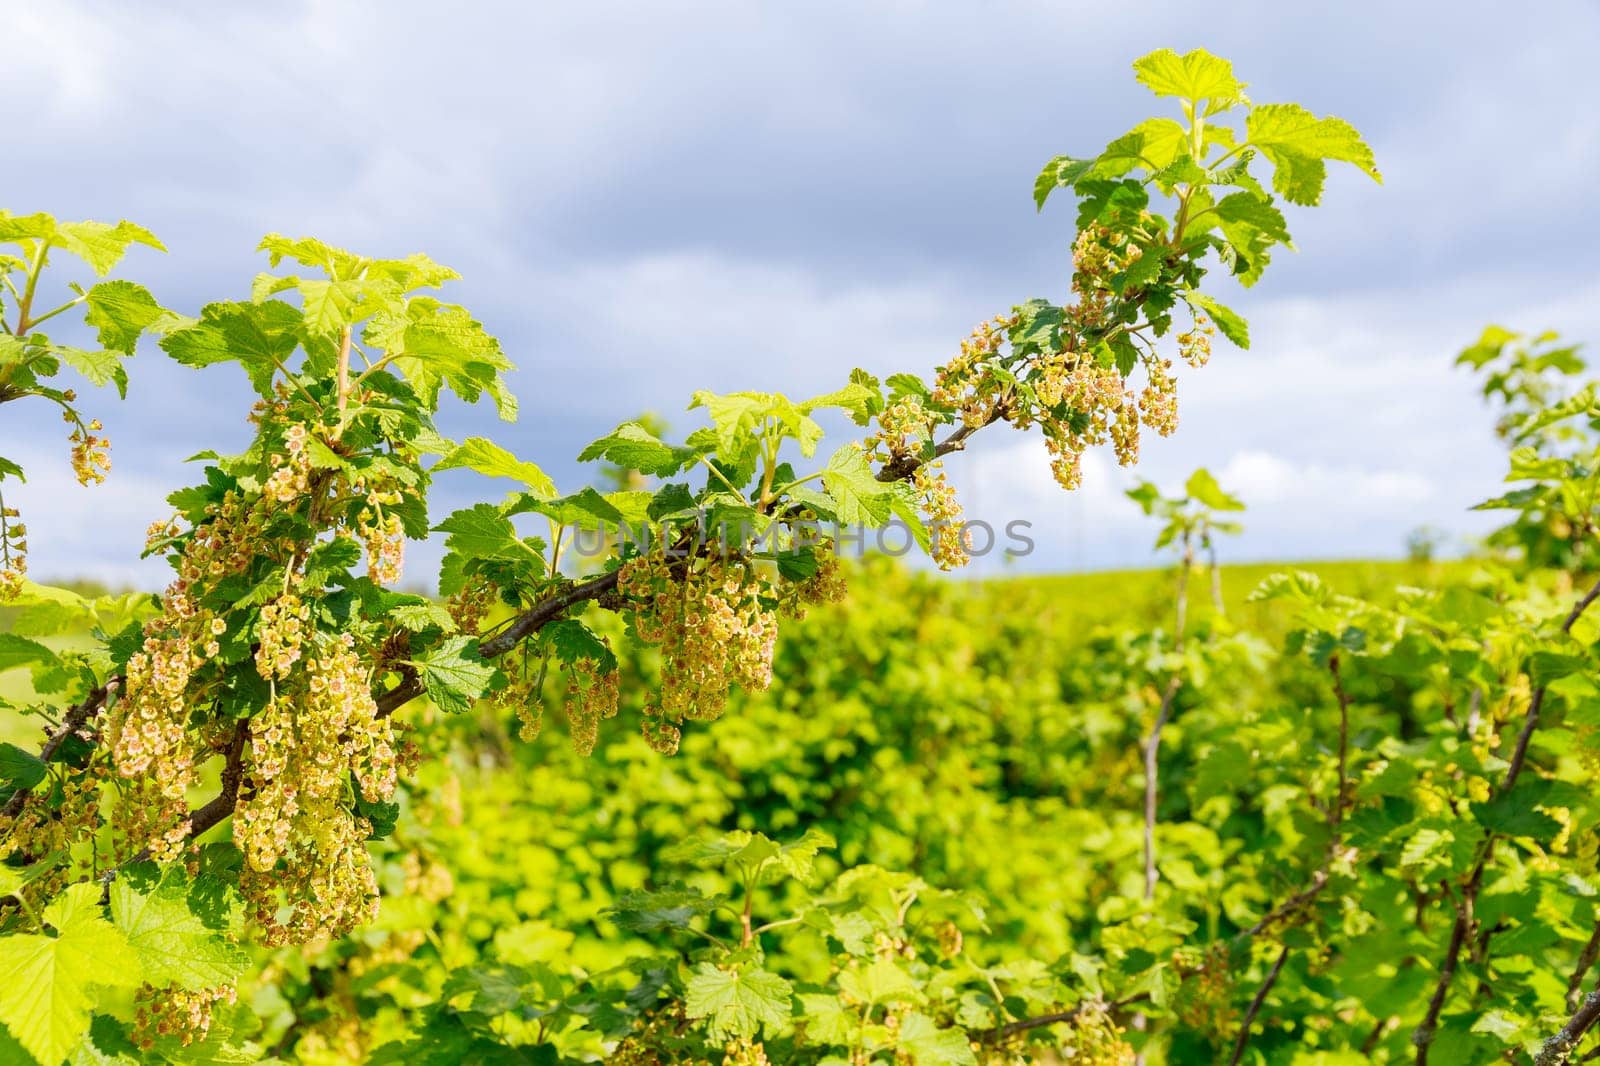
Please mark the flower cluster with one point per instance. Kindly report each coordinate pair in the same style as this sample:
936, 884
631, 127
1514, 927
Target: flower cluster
592, 696
902, 427
1194, 347
173, 1011
150, 742
148, 728
745, 1053
1083, 404
826, 584
291, 474
232, 537
13, 553
91, 456
383, 536
942, 511
280, 635
1099, 254
965, 382
716, 628
1075, 393
1096, 1039
302, 843
1158, 403
1204, 1002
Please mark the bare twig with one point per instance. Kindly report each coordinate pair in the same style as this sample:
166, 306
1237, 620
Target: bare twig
1288, 907
1063, 1017
1422, 1037
1152, 744
1255, 1006
1152, 751
1531, 722
1336, 814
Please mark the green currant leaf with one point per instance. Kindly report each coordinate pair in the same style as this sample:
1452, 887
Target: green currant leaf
1203, 489
51, 982
674, 907
928, 1045
122, 312
101, 244
101, 368
633, 447
571, 641
737, 1003
174, 944
1229, 322
1195, 76
19, 768
1062, 172
258, 336
491, 460
859, 498
1297, 143
454, 674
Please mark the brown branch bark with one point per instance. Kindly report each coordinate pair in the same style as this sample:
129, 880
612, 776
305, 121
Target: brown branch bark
900, 469
545, 611
1556, 1050
1288, 907
1586, 960
232, 777
75, 720
410, 686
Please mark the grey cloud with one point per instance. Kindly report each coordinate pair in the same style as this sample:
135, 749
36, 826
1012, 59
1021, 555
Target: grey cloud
645, 199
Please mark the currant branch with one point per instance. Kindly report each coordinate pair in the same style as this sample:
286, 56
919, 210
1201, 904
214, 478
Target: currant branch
1459, 932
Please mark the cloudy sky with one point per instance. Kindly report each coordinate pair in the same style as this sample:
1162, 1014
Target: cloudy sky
647, 199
